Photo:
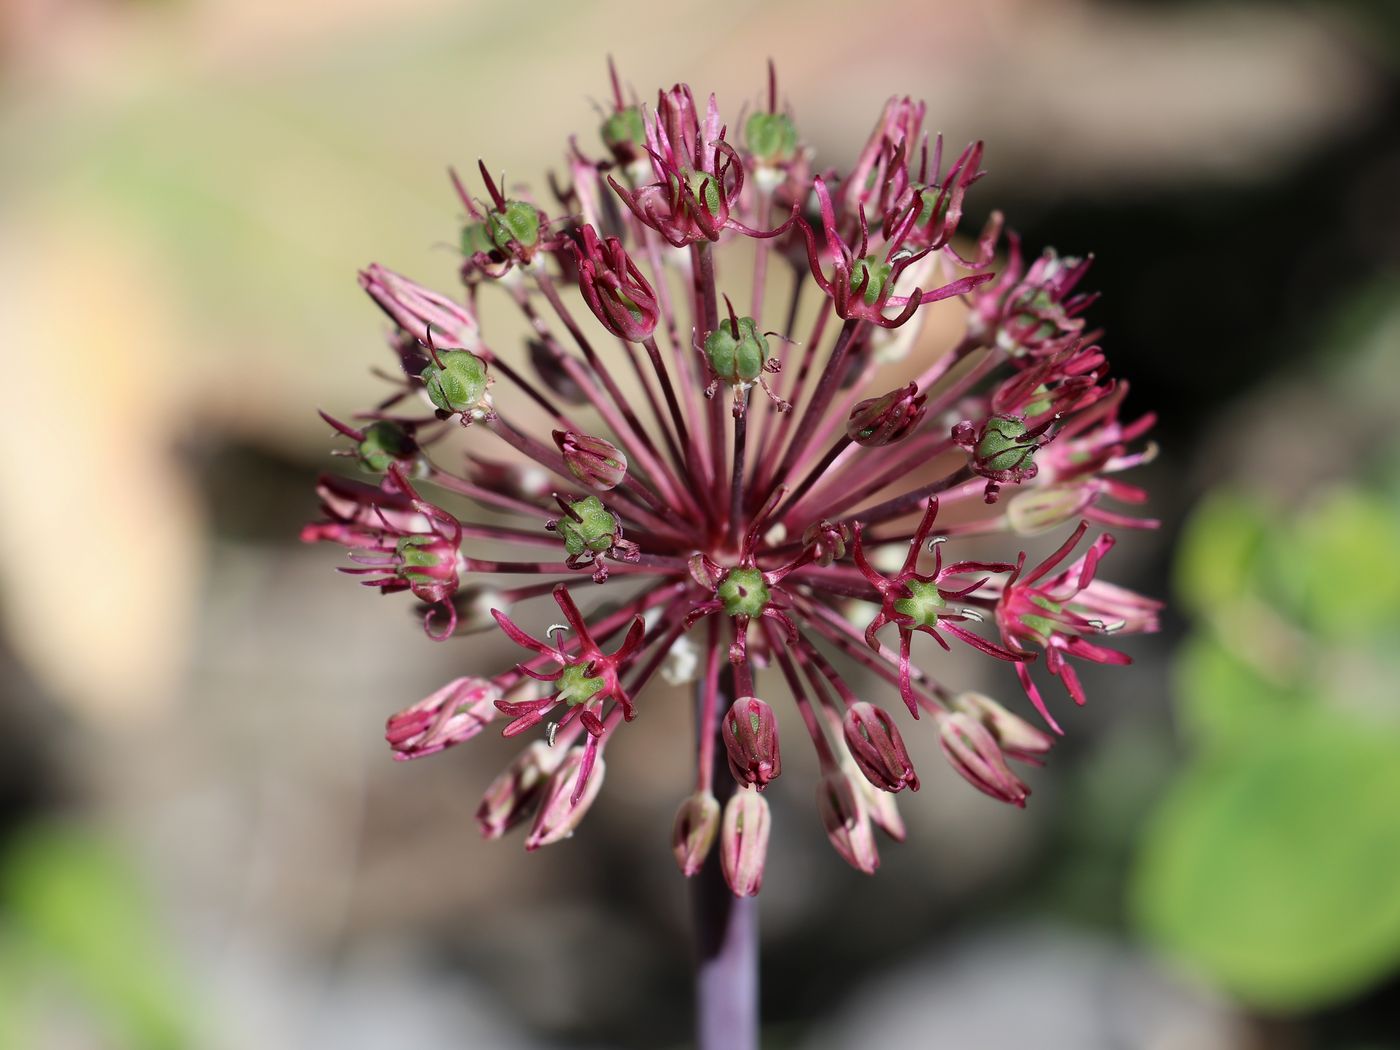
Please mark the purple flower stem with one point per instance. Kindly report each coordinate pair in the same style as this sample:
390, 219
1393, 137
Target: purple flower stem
726, 976
726, 926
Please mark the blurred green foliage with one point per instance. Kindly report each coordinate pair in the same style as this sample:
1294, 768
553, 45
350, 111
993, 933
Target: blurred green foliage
1273, 864
76, 931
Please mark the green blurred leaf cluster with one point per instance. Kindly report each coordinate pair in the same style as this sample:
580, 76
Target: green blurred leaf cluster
1273, 864
77, 935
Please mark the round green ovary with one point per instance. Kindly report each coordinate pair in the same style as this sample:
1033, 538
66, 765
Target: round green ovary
1044, 626
460, 384
1036, 408
577, 686
771, 137
518, 222
1029, 316
737, 359
629, 305
414, 557
624, 126
923, 605
872, 273
476, 239
929, 196
383, 444
594, 529
743, 592
1001, 446
704, 186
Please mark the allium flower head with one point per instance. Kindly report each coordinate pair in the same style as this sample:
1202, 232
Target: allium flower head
622, 487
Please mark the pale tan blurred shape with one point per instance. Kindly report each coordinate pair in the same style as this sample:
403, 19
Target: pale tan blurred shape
98, 533
258, 152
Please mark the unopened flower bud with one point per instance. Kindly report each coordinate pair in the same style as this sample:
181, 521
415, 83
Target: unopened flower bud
615, 289
427, 317
743, 841
974, 753
878, 749
697, 824
459, 384
456, 712
596, 463
750, 731
515, 794
886, 419
1038, 510
559, 814
1017, 737
881, 805
847, 821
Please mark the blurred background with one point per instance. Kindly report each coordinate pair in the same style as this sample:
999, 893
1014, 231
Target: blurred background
203, 842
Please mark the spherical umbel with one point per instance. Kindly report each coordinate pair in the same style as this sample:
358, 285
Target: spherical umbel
729, 542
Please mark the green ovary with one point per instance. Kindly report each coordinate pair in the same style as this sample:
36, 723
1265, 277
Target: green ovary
873, 273
384, 443
771, 137
1002, 446
743, 592
460, 384
923, 605
624, 126
737, 359
593, 529
1044, 626
577, 686
414, 558
518, 222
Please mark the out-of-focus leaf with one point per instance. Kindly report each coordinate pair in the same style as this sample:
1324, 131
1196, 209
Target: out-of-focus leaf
1101, 813
1221, 698
1274, 867
1218, 550
12, 973
1339, 570
83, 913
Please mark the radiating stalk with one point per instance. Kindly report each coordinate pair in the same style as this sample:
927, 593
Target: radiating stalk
726, 927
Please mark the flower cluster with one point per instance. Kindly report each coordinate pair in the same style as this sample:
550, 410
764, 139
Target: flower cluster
718, 537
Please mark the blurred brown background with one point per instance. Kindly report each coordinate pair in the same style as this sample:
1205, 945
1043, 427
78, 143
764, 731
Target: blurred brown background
209, 846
